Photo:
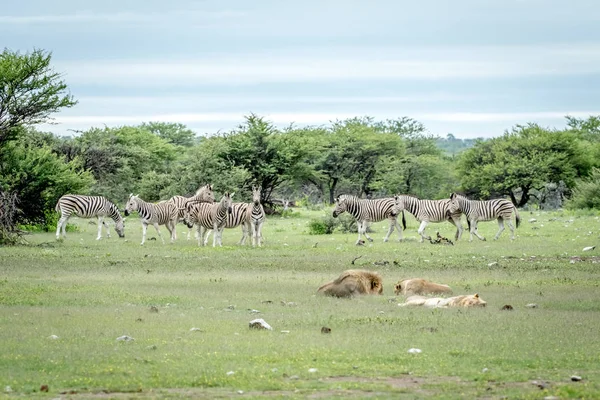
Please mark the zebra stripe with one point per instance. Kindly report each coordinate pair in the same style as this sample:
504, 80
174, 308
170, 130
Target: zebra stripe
161, 213
88, 207
426, 211
257, 216
209, 216
488, 210
365, 211
203, 194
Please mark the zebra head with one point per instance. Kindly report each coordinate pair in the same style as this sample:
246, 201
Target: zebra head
132, 204
398, 205
256, 195
120, 228
187, 214
340, 206
225, 202
454, 205
205, 193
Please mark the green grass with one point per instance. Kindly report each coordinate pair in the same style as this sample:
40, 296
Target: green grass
90, 292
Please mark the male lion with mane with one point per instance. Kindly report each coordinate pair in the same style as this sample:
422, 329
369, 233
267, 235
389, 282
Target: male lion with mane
420, 286
470, 300
353, 282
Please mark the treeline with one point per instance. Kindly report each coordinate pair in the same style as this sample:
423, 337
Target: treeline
369, 158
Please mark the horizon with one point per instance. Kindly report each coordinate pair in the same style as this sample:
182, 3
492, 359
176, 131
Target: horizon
471, 69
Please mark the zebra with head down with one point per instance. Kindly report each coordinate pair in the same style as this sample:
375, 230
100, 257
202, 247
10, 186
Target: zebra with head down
366, 211
88, 207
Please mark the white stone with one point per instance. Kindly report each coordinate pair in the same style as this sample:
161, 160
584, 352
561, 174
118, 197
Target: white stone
125, 338
229, 373
260, 323
54, 337
312, 370
589, 248
415, 351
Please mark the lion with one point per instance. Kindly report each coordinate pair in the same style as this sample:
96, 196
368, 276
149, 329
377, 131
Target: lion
420, 286
353, 282
470, 300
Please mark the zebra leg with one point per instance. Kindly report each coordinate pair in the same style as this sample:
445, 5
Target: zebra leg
421, 231
100, 223
474, 231
390, 230
199, 234
245, 234
500, 227
459, 229
144, 229
62, 223
208, 232
158, 231
364, 231
512, 229
359, 225
171, 225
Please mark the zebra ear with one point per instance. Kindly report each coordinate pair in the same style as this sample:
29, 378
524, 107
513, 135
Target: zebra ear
231, 195
452, 196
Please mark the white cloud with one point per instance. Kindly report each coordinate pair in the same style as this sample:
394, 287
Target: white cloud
375, 65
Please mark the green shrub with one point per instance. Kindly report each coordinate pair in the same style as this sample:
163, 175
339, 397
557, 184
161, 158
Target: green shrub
325, 226
586, 194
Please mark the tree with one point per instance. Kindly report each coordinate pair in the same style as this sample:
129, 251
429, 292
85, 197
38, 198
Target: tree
30, 91
176, 134
587, 192
521, 161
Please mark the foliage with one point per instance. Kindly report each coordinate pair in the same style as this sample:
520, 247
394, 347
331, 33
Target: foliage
30, 91
524, 159
176, 134
453, 146
39, 176
586, 193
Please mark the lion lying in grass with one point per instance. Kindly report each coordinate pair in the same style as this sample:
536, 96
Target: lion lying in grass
353, 282
420, 286
470, 300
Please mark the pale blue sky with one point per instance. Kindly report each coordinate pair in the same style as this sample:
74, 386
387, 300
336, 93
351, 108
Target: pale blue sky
472, 68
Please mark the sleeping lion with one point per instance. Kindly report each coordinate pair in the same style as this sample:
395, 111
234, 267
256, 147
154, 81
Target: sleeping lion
353, 282
409, 287
470, 300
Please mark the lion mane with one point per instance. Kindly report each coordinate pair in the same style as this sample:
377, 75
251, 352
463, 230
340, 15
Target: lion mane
408, 287
353, 282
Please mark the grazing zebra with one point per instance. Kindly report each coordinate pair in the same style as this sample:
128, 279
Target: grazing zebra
209, 216
488, 210
365, 211
203, 194
426, 211
88, 207
161, 213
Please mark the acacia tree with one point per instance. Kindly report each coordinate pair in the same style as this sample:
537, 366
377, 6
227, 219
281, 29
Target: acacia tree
30, 91
521, 161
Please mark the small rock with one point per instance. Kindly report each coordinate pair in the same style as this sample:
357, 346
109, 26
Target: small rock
575, 378
541, 384
260, 324
531, 305
507, 307
231, 307
195, 330
153, 347
589, 248
551, 398
7, 389
325, 330
312, 370
267, 301
415, 351
125, 338
240, 392
229, 373
285, 331
153, 309
532, 220
53, 337
485, 370
44, 388
254, 312
274, 370
492, 264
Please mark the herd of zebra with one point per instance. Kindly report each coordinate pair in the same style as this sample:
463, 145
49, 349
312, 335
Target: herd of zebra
208, 216
366, 211
199, 210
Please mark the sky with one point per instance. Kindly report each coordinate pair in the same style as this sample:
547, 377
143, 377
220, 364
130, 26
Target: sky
472, 68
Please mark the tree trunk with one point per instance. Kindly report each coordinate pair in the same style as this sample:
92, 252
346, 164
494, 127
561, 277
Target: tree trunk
332, 186
524, 197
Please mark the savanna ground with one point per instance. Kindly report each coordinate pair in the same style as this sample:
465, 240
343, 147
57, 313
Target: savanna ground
88, 293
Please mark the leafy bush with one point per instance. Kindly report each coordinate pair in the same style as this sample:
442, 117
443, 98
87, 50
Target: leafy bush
325, 226
586, 194
347, 223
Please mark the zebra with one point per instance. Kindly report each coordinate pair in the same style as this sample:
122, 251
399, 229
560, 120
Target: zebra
234, 219
161, 213
88, 207
203, 194
365, 211
209, 216
488, 210
250, 216
426, 211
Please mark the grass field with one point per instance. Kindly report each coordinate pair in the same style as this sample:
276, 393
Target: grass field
88, 293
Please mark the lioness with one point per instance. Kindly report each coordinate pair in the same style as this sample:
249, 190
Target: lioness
420, 286
353, 282
470, 300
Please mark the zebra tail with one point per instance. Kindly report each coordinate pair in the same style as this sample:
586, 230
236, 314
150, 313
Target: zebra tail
56, 208
403, 221
517, 217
